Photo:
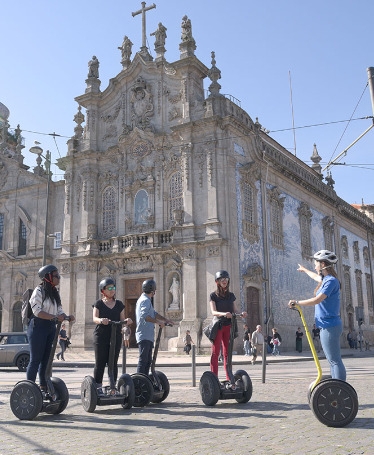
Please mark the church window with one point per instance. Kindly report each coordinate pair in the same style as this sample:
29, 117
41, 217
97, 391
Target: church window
175, 194
305, 220
141, 207
344, 246
356, 251
328, 233
360, 297
22, 234
276, 217
347, 286
1, 231
365, 254
369, 291
109, 212
249, 211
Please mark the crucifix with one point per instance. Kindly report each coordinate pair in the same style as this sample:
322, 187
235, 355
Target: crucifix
142, 12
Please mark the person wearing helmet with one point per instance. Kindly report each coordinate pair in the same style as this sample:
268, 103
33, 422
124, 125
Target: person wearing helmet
146, 318
46, 307
326, 300
222, 305
107, 309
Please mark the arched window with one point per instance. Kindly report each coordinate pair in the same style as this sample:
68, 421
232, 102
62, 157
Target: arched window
175, 194
276, 217
360, 295
305, 220
109, 212
328, 233
369, 291
141, 207
347, 286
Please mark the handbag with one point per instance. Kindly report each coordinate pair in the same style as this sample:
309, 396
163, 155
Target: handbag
212, 328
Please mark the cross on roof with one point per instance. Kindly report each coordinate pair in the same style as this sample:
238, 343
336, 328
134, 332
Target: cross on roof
142, 12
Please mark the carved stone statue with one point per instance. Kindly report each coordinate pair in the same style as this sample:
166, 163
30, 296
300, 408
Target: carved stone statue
186, 29
126, 49
175, 292
93, 67
160, 35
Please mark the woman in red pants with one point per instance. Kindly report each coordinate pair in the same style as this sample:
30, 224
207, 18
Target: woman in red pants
222, 304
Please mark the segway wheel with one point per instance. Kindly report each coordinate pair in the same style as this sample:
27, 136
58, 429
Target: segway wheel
324, 378
334, 403
26, 400
62, 395
143, 390
126, 388
165, 386
209, 388
243, 380
89, 394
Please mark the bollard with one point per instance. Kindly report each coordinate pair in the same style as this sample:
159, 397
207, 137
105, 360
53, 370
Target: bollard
193, 365
264, 352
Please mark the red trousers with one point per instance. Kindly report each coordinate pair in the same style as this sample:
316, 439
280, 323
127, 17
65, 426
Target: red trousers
222, 340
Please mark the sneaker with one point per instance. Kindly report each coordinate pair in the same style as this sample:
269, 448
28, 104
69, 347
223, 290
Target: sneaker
100, 391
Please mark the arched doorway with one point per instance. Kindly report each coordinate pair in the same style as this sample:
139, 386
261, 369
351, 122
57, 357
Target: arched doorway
133, 290
253, 308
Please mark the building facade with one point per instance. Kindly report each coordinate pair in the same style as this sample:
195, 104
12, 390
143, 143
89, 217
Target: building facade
165, 181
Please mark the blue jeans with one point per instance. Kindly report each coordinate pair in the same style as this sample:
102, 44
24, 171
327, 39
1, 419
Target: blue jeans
145, 356
40, 333
247, 347
330, 341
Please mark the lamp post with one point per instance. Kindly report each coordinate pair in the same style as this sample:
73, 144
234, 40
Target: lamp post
47, 163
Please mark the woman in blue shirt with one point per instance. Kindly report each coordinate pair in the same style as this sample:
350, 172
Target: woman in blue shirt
327, 309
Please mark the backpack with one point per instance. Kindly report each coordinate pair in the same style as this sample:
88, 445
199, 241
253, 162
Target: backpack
26, 311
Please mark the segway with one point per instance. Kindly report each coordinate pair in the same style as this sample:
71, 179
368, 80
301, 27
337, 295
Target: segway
333, 402
123, 393
153, 388
238, 388
27, 399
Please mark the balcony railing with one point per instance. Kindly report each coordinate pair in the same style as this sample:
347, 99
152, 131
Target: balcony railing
135, 242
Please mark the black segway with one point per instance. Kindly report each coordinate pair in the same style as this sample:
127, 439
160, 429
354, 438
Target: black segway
153, 388
123, 393
333, 402
27, 400
238, 388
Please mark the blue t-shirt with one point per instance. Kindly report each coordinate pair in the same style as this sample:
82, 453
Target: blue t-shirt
327, 313
144, 330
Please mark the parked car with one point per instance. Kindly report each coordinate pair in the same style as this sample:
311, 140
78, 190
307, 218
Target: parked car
14, 350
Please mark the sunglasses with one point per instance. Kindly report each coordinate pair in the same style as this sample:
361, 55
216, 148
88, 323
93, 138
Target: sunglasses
110, 288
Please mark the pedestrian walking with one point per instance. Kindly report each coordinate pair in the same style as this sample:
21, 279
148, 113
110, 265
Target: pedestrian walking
316, 338
62, 340
257, 341
187, 339
247, 342
276, 341
299, 340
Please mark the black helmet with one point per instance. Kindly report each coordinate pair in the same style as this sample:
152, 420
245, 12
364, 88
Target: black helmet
106, 282
325, 256
46, 270
149, 286
222, 274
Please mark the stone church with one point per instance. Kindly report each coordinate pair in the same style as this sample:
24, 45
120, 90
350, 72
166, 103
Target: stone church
164, 180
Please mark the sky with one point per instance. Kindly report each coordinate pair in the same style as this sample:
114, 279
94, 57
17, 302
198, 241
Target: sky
299, 66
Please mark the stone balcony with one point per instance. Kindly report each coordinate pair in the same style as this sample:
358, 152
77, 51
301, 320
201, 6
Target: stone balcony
131, 242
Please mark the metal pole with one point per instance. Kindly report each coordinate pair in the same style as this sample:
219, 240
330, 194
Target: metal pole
48, 169
193, 365
370, 72
124, 352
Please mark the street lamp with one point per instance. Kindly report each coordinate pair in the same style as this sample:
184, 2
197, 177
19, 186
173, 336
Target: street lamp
47, 163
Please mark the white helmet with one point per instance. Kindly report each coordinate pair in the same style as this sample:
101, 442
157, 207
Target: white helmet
325, 256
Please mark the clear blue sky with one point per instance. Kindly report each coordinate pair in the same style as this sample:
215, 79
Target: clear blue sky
324, 45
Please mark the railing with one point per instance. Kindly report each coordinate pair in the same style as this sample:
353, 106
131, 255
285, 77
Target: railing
135, 242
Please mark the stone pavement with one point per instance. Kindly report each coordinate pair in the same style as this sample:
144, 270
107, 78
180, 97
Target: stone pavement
276, 421
78, 357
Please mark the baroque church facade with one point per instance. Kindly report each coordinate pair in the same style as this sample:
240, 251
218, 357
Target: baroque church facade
165, 181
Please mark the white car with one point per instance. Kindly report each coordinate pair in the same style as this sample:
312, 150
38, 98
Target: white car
14, 350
